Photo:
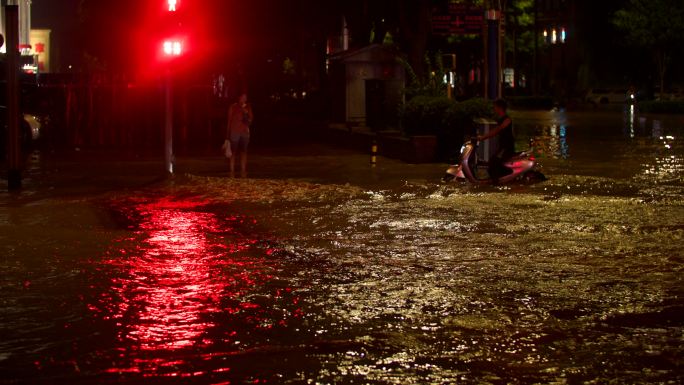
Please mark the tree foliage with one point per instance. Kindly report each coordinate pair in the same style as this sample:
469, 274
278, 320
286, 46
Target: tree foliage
657, 25
520, 19
431, 83
652, 23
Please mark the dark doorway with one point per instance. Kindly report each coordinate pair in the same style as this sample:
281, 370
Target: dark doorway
375, 104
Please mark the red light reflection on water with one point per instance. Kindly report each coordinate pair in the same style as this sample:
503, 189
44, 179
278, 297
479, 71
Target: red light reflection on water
167, 284
172, 278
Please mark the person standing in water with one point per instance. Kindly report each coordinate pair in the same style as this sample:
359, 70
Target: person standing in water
240, 117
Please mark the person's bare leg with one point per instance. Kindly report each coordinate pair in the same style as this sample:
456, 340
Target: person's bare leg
232, 165
243, 163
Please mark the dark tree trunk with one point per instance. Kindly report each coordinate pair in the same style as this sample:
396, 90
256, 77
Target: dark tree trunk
661, 62
415, 24
515, 57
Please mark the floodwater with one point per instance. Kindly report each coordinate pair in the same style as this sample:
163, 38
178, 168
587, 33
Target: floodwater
348, 274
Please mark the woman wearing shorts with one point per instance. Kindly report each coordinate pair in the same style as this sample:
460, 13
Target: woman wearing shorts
240, 117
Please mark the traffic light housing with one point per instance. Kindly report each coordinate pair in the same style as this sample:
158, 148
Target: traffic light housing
172, 41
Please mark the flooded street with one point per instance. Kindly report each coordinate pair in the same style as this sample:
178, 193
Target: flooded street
320, 269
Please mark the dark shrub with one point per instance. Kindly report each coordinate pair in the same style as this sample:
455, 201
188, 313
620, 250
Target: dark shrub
450, 121
458, 123
424, 115
662, 107
531, 102
459, 118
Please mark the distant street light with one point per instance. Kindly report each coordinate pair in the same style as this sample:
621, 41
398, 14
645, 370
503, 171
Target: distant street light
556, 35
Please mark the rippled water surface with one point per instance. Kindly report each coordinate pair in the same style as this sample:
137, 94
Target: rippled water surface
351, 278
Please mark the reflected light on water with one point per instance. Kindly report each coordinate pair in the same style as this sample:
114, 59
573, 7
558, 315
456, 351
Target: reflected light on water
173, 279
552, 142
182, 273
657, 130
631, 120
550, 138
667, 166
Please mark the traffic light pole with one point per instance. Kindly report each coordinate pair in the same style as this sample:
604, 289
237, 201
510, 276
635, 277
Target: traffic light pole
13, 133
168, 124
492, 52
535, 61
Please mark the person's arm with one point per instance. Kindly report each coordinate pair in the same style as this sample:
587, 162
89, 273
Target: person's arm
251, 114
230, 120
497, 130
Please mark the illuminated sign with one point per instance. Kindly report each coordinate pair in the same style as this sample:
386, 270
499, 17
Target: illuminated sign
458, 19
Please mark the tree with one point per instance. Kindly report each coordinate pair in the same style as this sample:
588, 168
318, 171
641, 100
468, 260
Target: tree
430, 84
520, 22
520, 36
415, 27
404, 23
657, 25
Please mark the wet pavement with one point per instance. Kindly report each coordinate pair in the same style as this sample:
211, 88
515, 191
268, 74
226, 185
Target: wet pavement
322, 269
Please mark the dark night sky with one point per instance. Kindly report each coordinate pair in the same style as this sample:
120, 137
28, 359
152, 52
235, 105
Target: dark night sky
61, 17
232, 30
53, 13
115, 27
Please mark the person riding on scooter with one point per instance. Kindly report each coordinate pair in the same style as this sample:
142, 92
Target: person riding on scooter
505, 148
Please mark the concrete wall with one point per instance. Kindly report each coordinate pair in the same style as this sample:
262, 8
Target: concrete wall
357, 73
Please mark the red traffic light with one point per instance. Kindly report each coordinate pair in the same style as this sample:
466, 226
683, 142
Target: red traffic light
172, 47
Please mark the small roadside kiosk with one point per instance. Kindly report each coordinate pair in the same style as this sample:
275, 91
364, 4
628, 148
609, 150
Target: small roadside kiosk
367, 86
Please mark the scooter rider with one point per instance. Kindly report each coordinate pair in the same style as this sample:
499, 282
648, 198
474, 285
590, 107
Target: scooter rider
506, 142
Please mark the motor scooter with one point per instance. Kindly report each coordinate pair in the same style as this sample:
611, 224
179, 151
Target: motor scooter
520, 166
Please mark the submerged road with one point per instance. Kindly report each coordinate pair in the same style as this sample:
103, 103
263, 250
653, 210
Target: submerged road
320, 269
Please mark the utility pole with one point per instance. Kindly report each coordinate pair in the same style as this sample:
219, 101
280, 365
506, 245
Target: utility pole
168, 123
13, 134
492, 51
172, 49
535, 59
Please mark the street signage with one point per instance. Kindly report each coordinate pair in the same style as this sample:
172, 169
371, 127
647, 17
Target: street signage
457, 19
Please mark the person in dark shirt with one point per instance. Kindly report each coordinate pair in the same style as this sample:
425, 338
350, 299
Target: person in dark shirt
505, 147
